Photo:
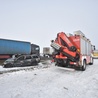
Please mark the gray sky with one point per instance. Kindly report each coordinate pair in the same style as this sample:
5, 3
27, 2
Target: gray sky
38, 21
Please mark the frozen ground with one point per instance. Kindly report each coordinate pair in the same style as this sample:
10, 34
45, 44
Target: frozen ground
50, 82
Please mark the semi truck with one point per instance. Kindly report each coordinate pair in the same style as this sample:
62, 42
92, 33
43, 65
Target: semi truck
12, 47
72, 50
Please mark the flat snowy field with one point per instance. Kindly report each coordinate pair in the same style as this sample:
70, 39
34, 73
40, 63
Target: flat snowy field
50, 82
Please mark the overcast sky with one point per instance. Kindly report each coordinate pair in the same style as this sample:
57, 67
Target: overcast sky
39, 21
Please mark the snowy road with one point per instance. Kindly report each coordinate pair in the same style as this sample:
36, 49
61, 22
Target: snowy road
52, 82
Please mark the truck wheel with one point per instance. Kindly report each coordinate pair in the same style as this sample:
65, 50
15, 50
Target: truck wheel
57, 64
83, 68
91, 63
76, 67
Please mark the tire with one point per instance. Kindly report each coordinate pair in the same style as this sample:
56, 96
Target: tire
57, 64
91, 63
77, 68
83, 68
34, 63
7, 66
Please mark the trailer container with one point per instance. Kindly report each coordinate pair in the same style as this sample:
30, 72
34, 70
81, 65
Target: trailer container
8, 48
14, 47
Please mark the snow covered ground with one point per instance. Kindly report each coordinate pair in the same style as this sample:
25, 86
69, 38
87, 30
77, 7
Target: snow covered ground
50, 82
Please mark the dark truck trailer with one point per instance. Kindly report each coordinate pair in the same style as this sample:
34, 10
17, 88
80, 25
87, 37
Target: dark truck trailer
11, 47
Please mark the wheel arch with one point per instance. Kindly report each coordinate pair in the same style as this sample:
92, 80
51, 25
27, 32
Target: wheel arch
83, 59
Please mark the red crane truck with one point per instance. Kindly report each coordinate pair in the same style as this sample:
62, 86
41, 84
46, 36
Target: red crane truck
72, 50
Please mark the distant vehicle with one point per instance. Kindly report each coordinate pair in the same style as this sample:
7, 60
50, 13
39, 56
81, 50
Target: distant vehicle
11, 47
47, 51
95, 54
21, 61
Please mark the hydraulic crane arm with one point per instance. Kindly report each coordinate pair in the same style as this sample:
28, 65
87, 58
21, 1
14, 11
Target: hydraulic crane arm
63, 40
64, 46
